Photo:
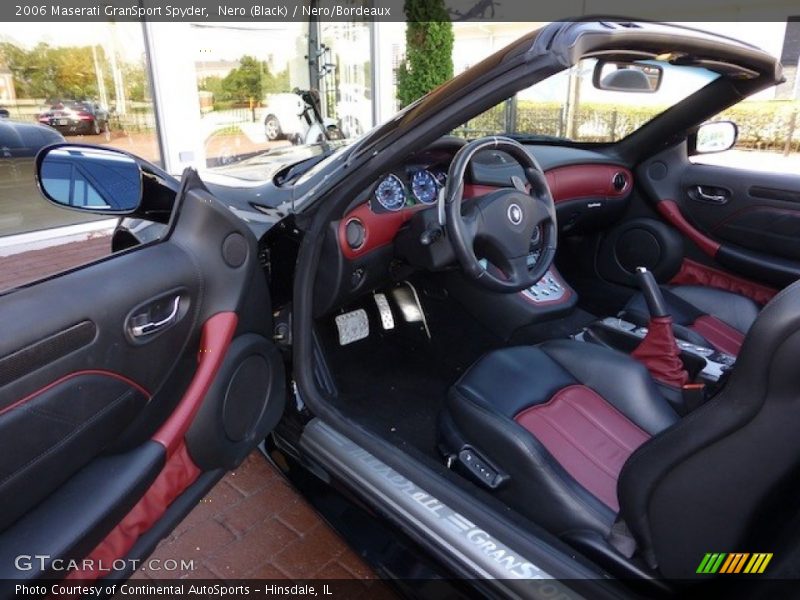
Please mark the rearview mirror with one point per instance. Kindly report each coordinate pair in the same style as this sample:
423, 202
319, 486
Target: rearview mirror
88, 178
637, 77
717, 136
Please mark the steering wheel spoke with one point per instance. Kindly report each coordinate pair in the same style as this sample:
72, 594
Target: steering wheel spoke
519, 272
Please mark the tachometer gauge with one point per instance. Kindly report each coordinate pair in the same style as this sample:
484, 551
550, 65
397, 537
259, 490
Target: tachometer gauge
424, 186
391, 193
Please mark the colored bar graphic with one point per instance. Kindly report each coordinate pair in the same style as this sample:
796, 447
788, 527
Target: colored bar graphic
735, 562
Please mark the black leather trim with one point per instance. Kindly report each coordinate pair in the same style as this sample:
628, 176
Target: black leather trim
78, 515
622, 381
56, 433
41, 353
502, 380
737, 311
688, 302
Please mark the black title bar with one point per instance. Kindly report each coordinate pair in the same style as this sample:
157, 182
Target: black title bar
389, 10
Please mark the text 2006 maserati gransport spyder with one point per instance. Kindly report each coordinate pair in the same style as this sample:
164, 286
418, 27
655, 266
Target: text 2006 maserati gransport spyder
515, 356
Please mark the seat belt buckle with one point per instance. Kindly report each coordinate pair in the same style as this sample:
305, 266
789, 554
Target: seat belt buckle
694, 394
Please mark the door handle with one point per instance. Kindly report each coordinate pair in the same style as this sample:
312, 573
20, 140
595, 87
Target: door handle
138, 328
713, 198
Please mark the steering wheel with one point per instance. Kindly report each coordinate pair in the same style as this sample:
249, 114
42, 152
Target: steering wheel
503, 225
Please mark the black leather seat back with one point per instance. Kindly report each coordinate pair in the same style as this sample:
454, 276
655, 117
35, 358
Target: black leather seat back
716, 480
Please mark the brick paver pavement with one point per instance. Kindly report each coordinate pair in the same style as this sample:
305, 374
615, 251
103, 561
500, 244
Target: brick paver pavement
27, 267
254, 525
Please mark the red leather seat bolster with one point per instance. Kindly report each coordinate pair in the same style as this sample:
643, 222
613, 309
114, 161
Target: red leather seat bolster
721, 335
588, 436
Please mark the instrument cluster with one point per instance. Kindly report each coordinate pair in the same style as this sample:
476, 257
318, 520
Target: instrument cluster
409, 187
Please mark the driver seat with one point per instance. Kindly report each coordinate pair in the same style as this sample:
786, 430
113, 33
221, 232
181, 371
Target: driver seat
577, 438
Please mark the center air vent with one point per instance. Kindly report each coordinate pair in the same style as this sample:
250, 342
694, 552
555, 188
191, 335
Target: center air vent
619, 181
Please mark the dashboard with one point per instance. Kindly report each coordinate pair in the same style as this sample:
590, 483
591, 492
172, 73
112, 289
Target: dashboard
586, 194
589, 189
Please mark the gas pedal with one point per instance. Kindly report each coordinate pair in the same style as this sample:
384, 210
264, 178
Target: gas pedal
406, 297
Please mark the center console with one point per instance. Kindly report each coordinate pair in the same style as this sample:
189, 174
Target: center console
548, 289
705, 364
506, 314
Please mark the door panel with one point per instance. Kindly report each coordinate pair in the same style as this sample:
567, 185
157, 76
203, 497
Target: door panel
93, 393
74, 382
755, 210
744, 222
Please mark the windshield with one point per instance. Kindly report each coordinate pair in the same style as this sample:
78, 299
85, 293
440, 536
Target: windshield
569, 106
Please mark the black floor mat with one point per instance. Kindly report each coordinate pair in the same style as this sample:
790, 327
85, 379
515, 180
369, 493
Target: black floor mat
395, 382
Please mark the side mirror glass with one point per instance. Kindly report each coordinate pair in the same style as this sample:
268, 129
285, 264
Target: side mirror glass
89, 178
637, 77
717, 136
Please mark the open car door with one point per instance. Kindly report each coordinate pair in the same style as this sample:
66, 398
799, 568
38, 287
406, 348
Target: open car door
129, 386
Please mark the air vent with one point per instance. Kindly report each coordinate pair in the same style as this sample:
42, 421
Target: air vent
355, 233
619, 181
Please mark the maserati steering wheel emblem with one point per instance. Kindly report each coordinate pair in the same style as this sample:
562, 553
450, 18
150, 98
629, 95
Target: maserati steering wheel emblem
515, 214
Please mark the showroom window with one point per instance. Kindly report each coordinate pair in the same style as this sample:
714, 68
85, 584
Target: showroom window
246, 74
83, 83
345, 76
252, 80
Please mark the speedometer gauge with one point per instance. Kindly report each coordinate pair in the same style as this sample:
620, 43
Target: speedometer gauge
424, 186
391, 193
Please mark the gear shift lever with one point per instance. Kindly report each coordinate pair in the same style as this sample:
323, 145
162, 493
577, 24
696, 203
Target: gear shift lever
659, 350
651, 292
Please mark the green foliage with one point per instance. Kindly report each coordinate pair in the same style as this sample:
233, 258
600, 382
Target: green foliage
763, 124
429, 50
251, 79
244, 82
67, 72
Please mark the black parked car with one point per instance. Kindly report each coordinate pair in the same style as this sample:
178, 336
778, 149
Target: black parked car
24, 140
457, 349
76, 117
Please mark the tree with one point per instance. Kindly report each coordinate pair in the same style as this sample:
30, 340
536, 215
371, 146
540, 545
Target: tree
59, 73
271, 84
429, 50
245, 81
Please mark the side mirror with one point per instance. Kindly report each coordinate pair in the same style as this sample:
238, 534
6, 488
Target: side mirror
617, 76
716, 136
91, 179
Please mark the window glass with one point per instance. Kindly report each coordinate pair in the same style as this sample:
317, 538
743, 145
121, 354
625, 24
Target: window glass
768, 140
246, 77
81, 83
346, 77
270, 93
568, 106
